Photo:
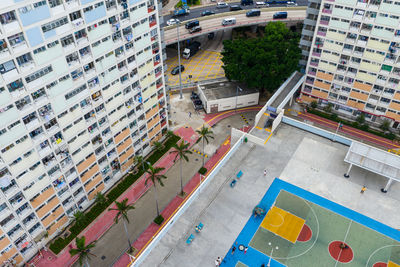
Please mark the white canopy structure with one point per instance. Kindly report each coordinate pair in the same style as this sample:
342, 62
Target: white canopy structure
374, 160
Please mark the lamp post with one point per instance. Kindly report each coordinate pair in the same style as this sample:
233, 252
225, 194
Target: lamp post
272, 251
339, 126
237, 94
179, 60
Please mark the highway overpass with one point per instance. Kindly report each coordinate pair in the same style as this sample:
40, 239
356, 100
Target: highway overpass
213, 23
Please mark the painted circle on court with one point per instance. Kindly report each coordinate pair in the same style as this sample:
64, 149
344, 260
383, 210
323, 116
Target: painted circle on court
305, 234
380, 264
342, 255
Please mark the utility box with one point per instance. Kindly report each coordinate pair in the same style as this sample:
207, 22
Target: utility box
222, 96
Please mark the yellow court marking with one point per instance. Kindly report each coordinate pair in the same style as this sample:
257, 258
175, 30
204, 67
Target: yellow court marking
392, 264
266, 114
257, 127
283, 224
268, 130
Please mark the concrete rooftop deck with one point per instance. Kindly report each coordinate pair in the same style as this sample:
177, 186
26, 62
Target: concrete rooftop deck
306, 160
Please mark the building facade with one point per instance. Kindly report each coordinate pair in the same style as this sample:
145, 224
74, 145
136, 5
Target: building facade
81, 92
354, 59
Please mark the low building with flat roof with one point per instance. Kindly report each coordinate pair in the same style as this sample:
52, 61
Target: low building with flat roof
221, 96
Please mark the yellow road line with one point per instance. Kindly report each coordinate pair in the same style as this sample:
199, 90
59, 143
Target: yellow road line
268, 138
268, 130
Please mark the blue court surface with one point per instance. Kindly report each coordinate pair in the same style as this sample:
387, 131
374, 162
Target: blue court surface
300, 228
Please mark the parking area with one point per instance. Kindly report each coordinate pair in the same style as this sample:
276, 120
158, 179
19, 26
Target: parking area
204, 65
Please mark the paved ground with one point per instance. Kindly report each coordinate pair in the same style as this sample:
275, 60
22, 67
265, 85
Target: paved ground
308, 161
204, 65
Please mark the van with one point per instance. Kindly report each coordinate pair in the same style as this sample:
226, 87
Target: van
235, 8
291, 3
230, 21
192, 24
280, 15
253, 13
222, 5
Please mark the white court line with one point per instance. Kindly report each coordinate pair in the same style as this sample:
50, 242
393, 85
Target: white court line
344, 241
372, 254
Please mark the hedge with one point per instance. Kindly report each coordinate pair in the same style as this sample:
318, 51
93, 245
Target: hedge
362, 127
202, 170
159, 219
60, 243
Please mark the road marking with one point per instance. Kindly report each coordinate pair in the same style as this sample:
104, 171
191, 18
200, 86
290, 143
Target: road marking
268, 138
201, 154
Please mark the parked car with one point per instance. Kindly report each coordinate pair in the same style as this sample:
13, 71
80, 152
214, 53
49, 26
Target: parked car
246, 2
192, 23
195, 29
207, 13
173, 22
235, 7
222, 5
291, 3
175, 70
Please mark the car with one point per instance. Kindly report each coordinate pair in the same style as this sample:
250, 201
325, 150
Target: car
175, 70
280, 15
222, 5
173, 22
291, 3
207, 13
195, 29
262, 4
235, 7
192, 23
253, 13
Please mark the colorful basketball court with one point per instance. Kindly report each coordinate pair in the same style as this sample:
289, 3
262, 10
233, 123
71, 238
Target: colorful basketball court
304, 229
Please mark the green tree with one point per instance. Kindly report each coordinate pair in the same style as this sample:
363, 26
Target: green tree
82, 250
169, 134
181, 152
263, 62
138, 160
123, 208
314, 104
155, 177
158, 146
360, 118
204, 134
385, 126
100, 199
79, 217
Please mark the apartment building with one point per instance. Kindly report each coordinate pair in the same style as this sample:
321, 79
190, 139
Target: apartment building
354, 59
81, 92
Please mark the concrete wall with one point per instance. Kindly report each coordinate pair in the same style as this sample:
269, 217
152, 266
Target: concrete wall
230, 103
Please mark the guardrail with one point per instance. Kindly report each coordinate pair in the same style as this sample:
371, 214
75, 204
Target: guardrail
315, 130
183, 207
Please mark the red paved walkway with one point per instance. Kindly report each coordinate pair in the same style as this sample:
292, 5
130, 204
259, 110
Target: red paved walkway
357, 134
212, 119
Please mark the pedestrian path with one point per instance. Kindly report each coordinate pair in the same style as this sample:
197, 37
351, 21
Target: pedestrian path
214, 118
355, 133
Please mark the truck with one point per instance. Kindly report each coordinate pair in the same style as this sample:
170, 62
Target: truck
181, 12
191, 49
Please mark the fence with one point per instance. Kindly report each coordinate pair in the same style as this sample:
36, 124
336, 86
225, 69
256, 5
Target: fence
317, 131
170, 222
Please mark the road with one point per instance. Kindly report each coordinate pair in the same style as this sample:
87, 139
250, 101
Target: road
196, 12
214, 24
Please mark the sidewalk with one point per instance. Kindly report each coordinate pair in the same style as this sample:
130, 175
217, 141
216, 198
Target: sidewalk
350, 131
214, 118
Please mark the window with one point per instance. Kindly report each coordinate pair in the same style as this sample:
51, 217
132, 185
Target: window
7, 66
75, 92
54, 24
38, 74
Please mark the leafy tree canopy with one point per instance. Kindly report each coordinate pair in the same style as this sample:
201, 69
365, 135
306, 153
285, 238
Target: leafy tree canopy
263, 62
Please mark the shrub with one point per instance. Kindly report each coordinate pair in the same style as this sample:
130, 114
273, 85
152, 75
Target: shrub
360, 118
159, 219
314, 104
202, 171
60, 243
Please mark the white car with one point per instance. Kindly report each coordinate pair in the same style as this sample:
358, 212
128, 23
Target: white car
262, 4
222, 5
173, 22
289, 4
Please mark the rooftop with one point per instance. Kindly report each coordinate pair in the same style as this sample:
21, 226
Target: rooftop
220, 90
298, 157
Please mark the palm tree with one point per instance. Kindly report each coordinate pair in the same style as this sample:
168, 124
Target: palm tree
79, 217
158, 146
138, 160
123, 209
181, 151
83, 250
154, 176
100, 199
204, 134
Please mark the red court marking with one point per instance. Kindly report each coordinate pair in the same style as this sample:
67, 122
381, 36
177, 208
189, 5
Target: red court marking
341, 255
305, 234
380, 264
